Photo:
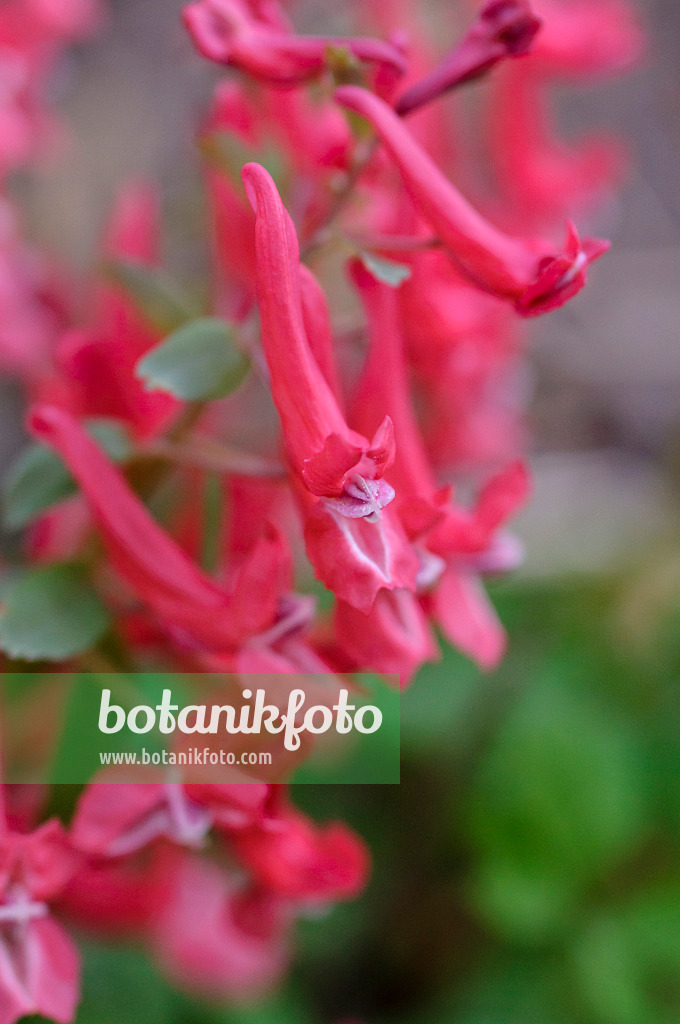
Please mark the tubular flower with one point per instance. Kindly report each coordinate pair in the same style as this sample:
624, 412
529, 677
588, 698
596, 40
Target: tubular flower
355, 548
394, 636
503, 28
541, 174
455, 545
333, 461
231, 32
194, 610
530, 273
39, 966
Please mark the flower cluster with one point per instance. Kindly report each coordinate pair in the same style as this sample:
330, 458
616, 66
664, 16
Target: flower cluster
133, 863
366, 433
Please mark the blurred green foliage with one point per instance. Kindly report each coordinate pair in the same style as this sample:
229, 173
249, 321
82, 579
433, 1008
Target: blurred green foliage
525, 870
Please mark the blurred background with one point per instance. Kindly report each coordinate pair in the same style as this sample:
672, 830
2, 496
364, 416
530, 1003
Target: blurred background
527, 868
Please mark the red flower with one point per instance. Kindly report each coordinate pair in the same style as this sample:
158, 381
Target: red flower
97, 365
503, 28
212, 937
531, 273
297, 860
354, 545
192, 608
454, 544
587, 37
231, 32
394, 637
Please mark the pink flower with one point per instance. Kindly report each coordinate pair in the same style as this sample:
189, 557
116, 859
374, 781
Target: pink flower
39, 968
503, 28
333, 461
530, 273
29, 320
587, 37
213, 937
464, 348
541, 175
232, 32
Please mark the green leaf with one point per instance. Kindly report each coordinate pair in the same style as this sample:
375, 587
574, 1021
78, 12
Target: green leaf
197, 362
228, 154
39, 479
387, 271
160, 299
121, 986
50, 614
112, 437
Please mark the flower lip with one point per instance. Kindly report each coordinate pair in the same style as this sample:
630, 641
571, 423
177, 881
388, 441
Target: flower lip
362, 498
296, 612
20, 908
562, 276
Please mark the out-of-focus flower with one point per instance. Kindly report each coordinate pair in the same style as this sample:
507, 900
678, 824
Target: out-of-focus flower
97, 365
215, 939
233, 32
290, 856
39, 965
114, 821
193, 609
587, 38
503, 28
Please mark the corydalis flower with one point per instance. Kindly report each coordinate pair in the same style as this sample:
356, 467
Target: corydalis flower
531, 273
356, 546
503, 28
334, 462
259, 43
194, 610
455, 545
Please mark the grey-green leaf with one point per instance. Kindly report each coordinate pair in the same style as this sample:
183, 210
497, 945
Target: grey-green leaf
387, 271
160, 299
39, 479
197, 362
36, 481
50, 614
